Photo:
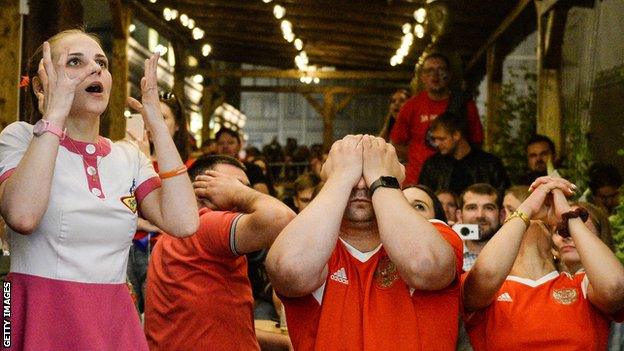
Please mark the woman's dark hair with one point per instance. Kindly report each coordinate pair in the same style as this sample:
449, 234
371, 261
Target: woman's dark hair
180, 137
438, 210
33, 69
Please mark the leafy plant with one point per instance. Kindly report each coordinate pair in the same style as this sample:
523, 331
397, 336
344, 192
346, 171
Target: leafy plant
515, 120
617, 223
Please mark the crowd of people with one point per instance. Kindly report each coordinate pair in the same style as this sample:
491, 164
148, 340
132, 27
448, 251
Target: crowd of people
415, 239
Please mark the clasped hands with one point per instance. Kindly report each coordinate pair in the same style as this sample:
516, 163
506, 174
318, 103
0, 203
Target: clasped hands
362, 156
548, 201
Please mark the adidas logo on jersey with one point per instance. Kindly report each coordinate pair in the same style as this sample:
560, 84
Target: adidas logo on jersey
340, 276
504, 297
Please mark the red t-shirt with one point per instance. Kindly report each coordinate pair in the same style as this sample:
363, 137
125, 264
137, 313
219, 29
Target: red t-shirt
198, 296
413, 123
552, 313
365, 305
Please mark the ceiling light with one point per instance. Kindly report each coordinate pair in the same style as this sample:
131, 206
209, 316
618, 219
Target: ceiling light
289, 37
286, 26
206, 49
192, 61
161, 49
298, 44
152, 1
198, 33
406, 28
420, 15
184, 19
198, 78
279, 11
317, 80
174, 14
131, 28
167, 14
266, 1
191, 23
419, 30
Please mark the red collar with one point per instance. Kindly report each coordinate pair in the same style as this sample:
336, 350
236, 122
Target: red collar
101, 148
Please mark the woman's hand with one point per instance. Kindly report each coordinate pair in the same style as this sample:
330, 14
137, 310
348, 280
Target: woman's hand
149, 107
57, 88
539, 204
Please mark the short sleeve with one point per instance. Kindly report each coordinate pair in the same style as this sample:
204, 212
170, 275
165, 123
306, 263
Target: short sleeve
217, 232
474, 123
147, 179
400, 133
14, 141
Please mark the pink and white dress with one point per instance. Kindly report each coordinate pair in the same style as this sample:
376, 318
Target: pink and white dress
67, 279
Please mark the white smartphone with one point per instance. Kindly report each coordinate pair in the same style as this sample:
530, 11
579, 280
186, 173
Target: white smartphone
467, 231
135, 127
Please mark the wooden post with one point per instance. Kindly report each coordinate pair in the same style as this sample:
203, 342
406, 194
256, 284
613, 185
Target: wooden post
121, 19
551, 24
328, 111
179, 72
10, 51
494, 71
212, 97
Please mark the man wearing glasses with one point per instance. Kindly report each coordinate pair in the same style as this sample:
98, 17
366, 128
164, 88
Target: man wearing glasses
412, 125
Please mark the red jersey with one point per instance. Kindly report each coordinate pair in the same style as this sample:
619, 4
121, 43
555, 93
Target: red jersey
198, 296
365, 305
413, 123
551, 313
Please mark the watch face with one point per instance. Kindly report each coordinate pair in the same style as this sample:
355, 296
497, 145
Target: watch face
39, 128
390, 182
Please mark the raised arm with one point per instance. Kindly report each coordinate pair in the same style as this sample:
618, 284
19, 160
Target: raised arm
297, 261
172, 207
263, 216
497, 257
25, 194
604, 271
424, 259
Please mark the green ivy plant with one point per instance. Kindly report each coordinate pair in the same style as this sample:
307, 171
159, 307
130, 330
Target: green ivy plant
617, 223
515, 118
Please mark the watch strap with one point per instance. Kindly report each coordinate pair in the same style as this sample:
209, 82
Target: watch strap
42, 126
383, 181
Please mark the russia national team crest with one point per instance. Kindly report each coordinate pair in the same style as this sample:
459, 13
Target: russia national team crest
565, 296
386, 273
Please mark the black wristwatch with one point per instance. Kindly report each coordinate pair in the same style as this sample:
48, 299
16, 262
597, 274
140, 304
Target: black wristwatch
384, 181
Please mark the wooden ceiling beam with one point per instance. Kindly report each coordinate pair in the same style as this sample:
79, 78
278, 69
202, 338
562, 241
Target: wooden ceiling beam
296, 74
505, 24
309, 89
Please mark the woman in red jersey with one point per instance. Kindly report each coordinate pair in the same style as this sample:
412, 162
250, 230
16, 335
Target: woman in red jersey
514, 298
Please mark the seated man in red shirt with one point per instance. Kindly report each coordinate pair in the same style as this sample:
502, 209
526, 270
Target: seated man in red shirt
198, 294
360, 269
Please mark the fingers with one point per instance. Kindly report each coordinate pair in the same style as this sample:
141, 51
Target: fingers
134, 104
61, 62
47, 64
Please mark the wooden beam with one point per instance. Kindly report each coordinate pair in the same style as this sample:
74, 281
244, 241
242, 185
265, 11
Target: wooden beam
513, 15
121, 19
494, 72
10, 52
296, 74
159, 24
212, 97
549, 99
310, 89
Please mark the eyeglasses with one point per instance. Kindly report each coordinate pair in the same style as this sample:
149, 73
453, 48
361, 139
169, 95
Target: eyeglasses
166, 95
432, 70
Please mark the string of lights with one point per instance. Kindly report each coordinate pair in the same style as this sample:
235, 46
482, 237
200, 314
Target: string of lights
409, 32
301, 60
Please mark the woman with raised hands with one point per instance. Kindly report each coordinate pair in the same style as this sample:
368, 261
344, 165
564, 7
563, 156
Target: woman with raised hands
70, 199
514, 299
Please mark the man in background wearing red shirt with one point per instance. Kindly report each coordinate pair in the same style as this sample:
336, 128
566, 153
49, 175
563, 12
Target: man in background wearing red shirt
412, 126
198, 295
359, 268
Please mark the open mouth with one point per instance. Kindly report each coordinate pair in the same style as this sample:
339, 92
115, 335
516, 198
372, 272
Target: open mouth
95, 87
